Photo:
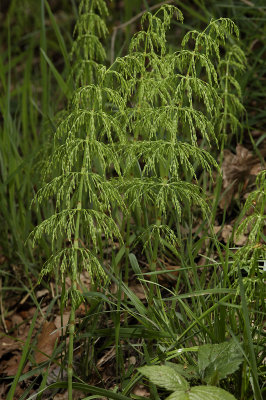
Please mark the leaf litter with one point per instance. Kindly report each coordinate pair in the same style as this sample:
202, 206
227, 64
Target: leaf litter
237, 168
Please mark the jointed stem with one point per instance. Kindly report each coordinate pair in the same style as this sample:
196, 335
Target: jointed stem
71, 348
154, 259
73, 290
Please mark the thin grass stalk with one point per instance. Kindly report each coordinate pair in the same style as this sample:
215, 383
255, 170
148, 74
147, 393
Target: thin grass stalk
225, 111
44, 69
253, 363
45, 373
154, 257
193, 324
219, 179
120, 368
127, 249
74, 281
23, 359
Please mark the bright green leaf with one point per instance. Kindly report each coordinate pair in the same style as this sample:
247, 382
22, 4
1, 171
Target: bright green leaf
216, 361
164, 376
201, 393
187, 372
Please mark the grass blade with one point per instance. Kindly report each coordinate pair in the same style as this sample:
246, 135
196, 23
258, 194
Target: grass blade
59, 36
65, 89
23, 359
85, 389
253, 364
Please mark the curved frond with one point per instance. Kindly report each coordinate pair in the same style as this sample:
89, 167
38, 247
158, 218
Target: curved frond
173, 155
96, 97
65, 157
194, 88
160, 231
99, 192
222, 28
188, 60
161, 192
63, 224
65, 259
256, 205
202, 41
92, 124
88, 46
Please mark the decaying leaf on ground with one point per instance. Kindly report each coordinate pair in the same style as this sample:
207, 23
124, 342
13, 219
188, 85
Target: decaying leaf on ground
46, 342
237, 168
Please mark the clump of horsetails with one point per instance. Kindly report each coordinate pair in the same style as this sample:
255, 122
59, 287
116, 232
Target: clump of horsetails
129, 141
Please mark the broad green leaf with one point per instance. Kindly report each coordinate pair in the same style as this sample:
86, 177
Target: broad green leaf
216, 361
164, 376
201, 393
187, 372
179, 394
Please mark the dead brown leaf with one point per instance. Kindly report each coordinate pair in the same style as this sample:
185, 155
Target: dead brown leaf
81, 310
85, 279
138, 290
240, 240
8, 345
27, 314
140, 390
41, 293
172, 276
237, 168
216, 229
65, 320
46, 341
76, 395
61, 396
17, 322
132, 360
3, 391
110, 354
9, 367
227, 232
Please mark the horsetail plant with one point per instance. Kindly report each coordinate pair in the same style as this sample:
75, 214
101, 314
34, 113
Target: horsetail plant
83, 155
247, 261
87, 50
233, 63
174, 103
248, 257
132, 134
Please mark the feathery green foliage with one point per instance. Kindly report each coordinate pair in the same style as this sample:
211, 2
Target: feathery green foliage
82, 194
133, 138
249, 256
82, 161
174, 103
229, 68
87, 50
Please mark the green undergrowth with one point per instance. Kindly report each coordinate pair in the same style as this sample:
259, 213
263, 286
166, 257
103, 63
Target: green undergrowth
111, 156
